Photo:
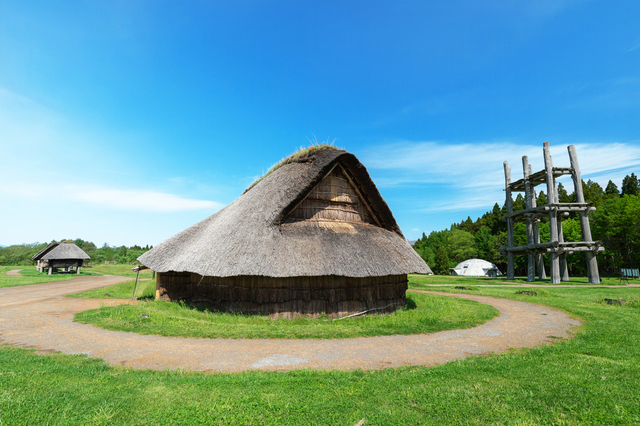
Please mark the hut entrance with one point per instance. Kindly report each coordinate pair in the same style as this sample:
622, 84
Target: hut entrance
335, 198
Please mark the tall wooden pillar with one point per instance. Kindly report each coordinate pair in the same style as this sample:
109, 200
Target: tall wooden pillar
553, 213
528, 196
542, 275
564, 268
510, 238
592, 261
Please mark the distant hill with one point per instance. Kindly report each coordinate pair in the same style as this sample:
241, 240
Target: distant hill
2, 245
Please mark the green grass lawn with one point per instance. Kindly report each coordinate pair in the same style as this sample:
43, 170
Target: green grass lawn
449, 280
121, 270
123, 290
31, 276
591, 379
426, 314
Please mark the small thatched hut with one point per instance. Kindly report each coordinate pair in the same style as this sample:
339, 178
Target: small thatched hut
313, 236
65, 255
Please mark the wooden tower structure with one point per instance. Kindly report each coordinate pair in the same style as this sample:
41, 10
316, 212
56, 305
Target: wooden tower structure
557, 248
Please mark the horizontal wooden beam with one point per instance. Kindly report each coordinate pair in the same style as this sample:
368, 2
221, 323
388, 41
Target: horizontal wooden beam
556, 247
538, 178
558, 207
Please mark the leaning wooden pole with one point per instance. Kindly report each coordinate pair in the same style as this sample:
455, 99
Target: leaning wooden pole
528, 196
135, 287
510, 238
592, 261
553, 224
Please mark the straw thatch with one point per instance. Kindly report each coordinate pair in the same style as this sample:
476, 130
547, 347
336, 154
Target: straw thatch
61, 251
64, 255
320, 216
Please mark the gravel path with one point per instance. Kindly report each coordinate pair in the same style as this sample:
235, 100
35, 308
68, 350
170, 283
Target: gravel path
14, 273
39, 317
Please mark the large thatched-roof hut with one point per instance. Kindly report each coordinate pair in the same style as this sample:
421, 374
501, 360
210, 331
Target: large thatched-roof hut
64, 255
313, 236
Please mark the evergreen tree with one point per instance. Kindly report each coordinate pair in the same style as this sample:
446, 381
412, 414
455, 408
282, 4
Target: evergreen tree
563, 196
442, 262
612, 189
630, 185
519, 203
593, 192
542, 199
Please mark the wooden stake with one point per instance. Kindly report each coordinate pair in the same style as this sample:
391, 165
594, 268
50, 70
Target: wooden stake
531, 270
510, 239
553, 224
135, 287
592, 261
542, 275
564, 269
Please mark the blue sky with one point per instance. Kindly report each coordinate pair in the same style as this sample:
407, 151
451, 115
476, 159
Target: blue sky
127, 121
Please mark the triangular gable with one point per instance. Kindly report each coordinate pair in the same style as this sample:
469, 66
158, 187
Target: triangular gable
336, 199
45, 250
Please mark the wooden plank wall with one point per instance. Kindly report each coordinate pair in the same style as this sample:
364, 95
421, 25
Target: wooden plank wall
285, 297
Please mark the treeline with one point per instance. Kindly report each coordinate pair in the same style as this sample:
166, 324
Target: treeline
21, 254
616, 222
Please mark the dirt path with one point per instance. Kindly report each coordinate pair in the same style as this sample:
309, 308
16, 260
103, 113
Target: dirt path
39, 317
14, 273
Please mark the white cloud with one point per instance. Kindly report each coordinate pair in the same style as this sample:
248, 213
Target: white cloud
634, 47
117, 199
142, 200
471, 175
473, 165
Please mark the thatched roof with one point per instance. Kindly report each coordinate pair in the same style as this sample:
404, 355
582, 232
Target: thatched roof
59, 251
255, 234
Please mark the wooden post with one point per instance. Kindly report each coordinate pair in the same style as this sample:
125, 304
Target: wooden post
542, 275
135, 287
78, 270
50, 270
564, 269
157, 287
592, 261
531, 268
553, 224
510, 239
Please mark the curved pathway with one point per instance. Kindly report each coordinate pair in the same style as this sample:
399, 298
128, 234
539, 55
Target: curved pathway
13, 273
39, 317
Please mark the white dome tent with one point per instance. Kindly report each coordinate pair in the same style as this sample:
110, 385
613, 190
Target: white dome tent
475, 268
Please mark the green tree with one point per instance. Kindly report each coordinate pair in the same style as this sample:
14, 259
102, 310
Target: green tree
442, 262
461, 245
630, 185
617, 225
593, 192
563, 196
519, 203
542, 199
612, 189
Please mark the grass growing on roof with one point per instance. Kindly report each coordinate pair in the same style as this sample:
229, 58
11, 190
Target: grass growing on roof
428, 314
31, 276
300, 155
590, 379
